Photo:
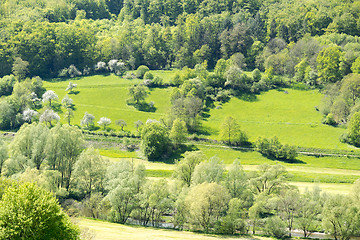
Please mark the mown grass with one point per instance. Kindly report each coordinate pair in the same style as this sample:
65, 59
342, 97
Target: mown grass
228, 155
105, 96
333, 188
292, 117
109, 231
159, 173
115, 153
321, 177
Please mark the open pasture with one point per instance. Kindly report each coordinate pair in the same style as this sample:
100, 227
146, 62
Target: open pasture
105, 96
109, 231
289, 114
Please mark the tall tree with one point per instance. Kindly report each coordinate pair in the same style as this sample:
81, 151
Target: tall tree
89, 172
230, 132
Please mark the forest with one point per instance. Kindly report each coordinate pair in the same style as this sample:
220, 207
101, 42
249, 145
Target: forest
194, 57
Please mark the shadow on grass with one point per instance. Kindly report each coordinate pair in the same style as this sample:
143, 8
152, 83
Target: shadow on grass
293, 161
176, 154
143, 106
56, 107
74, 92
248, 97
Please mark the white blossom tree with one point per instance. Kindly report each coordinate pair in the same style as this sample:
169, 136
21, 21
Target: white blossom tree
104, 122
48, 116
70, 87
67, 102
117, 66
73, 71
29, 114
100, 66
87, 120
49, 96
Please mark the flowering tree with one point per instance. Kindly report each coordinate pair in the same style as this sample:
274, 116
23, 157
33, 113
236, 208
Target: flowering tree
104, 122
48, 116
88, 120
29, 114
70, 87
49, 96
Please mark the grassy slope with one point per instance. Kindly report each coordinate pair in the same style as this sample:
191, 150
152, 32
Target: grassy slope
105, 96
109, 231
291, 117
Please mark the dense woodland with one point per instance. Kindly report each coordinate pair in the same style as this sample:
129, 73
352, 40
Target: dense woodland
219, 49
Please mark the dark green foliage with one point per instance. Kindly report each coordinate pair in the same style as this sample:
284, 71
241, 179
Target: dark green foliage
155, 142
274, 149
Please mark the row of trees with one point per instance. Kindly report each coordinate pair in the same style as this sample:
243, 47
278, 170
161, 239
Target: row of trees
203, 196
256, 34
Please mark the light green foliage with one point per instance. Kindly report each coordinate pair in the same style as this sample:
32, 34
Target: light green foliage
138, 93
49, 180
124, 182
355, 68
341, 217
154, 141
140, 72
288, 204
354, 129
148, 75
185, 167
29, 212
3, 154
236, 180
275, 227
30, 143
209, 171
89, 172
235, 218
329, 64
221, 67
268, 179
309, 211
154, 202
273, 148
206, 203
231, 133
63, 147
178, 132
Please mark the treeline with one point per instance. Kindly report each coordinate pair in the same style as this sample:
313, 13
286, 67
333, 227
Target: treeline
202, 196
273, 36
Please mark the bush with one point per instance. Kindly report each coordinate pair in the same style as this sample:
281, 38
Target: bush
140, 72
329, 120
273, 148
275, 227
30, 212
155, 141
148, 75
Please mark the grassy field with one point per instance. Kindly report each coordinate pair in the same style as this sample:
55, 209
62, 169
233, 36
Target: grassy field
105, 96
291, 117
109, 231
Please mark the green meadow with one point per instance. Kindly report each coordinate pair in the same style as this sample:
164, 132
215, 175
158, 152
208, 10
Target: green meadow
102, 230
289, 114
105, 96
